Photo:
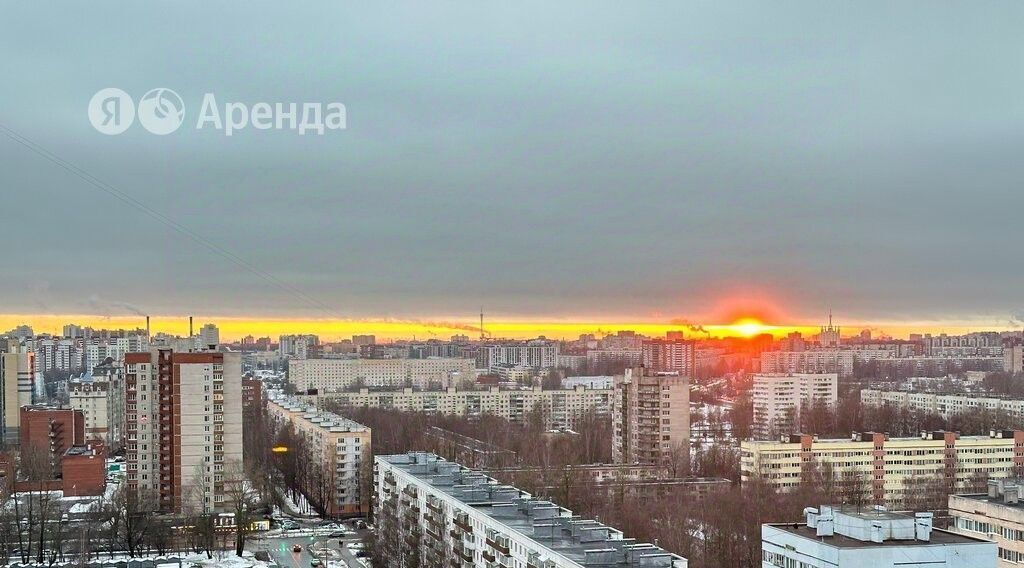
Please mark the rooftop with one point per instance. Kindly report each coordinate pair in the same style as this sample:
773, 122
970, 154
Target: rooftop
862, 527
1003, 492
585, 542
326, 420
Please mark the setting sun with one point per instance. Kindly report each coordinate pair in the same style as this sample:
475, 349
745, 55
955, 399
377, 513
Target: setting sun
749, 327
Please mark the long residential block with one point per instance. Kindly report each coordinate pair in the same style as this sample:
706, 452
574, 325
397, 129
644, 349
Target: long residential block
443, 514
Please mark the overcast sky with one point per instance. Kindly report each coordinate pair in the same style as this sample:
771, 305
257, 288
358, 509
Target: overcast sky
544, 160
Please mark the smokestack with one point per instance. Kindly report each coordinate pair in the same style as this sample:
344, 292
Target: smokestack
148, 336
190, 334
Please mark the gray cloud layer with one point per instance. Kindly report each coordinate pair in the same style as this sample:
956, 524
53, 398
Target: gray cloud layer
569, 158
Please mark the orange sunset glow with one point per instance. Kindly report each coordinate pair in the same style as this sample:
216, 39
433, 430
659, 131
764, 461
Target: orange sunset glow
233, 328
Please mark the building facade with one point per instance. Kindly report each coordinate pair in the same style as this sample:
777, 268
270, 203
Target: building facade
327, 375
16, 372
51, 431
340, 446
669, 355
650, 418
945, 405
441, 513
560, 409
997, 515
847, 537
889, 471
102, 404
183, 426
780, 398
809, 361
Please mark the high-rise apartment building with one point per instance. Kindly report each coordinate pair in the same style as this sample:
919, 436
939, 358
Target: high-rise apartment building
886, 471
1013, 359
16, 373
779, 400
209, 335
339, 446
651, 417
535, 354
442, 514
669, 355
183, 425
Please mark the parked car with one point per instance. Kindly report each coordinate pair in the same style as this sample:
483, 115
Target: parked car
297, 548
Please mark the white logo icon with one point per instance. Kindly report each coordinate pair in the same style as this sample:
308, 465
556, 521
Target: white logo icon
111, 111
161, 111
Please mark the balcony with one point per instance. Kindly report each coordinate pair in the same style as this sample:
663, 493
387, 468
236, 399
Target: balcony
498, 542
462, 521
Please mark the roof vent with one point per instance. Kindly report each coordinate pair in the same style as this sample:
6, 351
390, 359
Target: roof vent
923, 526
812, 517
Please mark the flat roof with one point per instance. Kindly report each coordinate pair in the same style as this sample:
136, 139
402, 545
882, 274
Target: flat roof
984, 498
938, 537
514, 513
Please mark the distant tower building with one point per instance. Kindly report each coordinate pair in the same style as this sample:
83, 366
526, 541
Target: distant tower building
209, 335
669, 355
829, 336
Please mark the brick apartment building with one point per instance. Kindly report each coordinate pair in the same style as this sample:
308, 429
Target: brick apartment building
51, 430
252, 393
183, 425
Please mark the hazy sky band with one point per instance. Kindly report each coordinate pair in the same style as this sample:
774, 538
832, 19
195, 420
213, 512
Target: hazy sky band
546, 161
235, 328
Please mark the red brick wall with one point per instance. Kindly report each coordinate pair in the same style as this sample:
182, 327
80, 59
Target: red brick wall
84, 475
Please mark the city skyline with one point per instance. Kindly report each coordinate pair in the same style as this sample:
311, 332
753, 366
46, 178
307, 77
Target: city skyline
234, 329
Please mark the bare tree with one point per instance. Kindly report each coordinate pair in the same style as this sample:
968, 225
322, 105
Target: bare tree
243, 500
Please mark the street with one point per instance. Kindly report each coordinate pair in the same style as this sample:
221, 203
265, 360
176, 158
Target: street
280, 549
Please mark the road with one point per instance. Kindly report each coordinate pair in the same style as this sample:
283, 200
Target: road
280, 549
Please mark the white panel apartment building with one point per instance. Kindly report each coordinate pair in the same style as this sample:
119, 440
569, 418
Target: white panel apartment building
889, 467
779, 399
183, 425
946, 405
102, 405
847, 537
996, 515
537, 354
561, 408
811, 361
447, 515
339, 445
341, 374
